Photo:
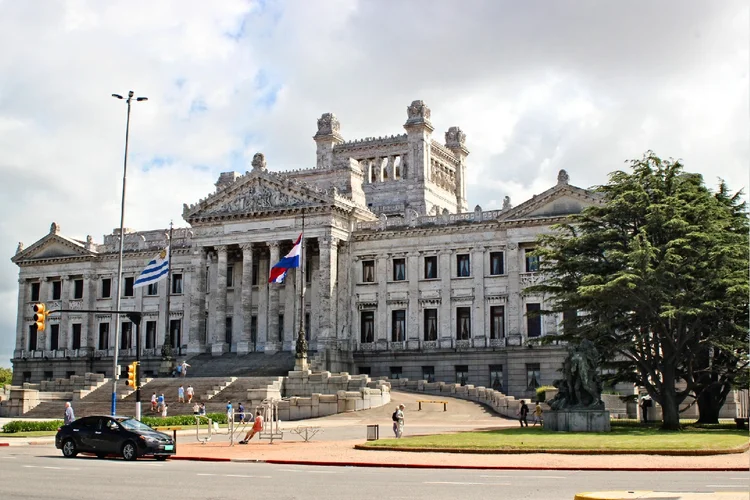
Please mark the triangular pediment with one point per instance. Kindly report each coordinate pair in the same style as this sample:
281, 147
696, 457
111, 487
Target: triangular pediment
53, 246
559, 201
256, 193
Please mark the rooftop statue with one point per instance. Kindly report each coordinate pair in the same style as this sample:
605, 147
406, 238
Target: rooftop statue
581, 386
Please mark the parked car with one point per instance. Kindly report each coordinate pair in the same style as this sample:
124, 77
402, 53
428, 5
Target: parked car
113, 435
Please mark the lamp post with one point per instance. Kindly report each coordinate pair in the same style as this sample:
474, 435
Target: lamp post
118, 291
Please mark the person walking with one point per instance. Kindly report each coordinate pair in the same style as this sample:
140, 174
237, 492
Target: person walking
538, 414
523, 411
160, 402
203, 409
190, 392
184, 368
257, 427
153, 403
69, 415
400, 422
181, 394
241, 413
394, 417
645, 405
164, 411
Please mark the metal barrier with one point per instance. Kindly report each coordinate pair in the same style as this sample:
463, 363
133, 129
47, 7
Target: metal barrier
269, 410
197, 428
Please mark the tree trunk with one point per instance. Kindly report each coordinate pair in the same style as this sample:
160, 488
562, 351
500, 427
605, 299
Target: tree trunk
670, 406
710, 401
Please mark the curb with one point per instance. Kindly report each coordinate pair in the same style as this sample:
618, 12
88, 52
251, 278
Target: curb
676, 453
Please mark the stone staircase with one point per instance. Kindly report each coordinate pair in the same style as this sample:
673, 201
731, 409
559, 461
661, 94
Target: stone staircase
255, 364
238, 391
95, 402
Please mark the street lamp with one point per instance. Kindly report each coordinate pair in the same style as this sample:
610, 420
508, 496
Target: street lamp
118, 292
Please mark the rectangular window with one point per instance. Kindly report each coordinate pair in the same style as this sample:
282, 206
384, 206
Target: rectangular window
532, 261
364, 370
177, 284
127, 290
69, 374
462, 374
430, 267
76, 334
430, 324
56, 290
150, 334
152, 289
463, 263
78, 289
281, 328
497, 264
106, 288
126, 335
463, 323
428, 373
570, 318
308, 331
32, 337
35, 287
308, 271
207, 280
496, 377
368, 271
395, 372
367, 327
399, 269
533, 320
254, 329
54, 336
398, 325
48, 376
533, 376
26, 377
228, 326
256, 272
175, 332
230, 276
103, 336
497, 322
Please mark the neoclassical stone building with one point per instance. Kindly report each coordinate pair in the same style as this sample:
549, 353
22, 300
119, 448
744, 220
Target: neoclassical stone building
401, 279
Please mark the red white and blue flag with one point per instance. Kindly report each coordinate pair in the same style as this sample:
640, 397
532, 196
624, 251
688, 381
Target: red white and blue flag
289, 261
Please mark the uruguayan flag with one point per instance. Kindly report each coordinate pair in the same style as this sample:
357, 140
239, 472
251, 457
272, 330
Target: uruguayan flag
156, 270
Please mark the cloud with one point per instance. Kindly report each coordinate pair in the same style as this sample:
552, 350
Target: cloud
536, 86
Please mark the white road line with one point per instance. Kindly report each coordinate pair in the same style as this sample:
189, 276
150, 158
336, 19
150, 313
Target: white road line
732, 478
522, 477
466, 483
726, 486
323, 471
207, 474
11, 458
243, 475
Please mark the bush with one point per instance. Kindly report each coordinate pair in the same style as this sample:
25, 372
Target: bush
541, 392
29, 425
220, 418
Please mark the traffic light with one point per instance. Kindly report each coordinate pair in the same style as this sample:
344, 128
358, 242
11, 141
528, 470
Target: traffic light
40, 316
134, 376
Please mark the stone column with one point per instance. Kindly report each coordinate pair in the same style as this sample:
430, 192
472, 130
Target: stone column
381, 315
272, 328
328, 272
514, 310
45, 293
412, 274
197, 301
21, 325
88, 321
480, 323
445, 319
244, 345
68, 288
291, 304
219, 345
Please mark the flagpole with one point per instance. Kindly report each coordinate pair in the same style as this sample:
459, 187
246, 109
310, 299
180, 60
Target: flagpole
166, 348
301, 354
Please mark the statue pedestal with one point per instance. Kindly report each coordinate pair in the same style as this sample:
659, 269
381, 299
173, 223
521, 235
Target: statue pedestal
577, 420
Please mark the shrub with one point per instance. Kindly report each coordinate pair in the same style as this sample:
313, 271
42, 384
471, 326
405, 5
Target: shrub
29, 425
541, 392
220, 418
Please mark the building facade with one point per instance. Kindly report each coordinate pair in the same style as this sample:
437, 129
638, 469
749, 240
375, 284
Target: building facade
400, 278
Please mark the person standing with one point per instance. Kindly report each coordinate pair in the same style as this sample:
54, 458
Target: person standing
184, 368
153, 403
69, 415
394, 417
257, 427
164, 411
230, 414
190, 392
241, 413
523, 411
160, 402
203, 409
645, 405
400, 422
181, 394
538, 414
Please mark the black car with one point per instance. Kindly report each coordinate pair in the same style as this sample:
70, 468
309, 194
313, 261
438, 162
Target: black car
113, 435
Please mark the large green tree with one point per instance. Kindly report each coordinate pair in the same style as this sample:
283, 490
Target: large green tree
658, 273
6, 375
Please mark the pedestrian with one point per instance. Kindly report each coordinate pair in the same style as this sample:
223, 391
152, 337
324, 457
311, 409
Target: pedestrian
153, 403
181, 394
203, 409
184, 368
230, 415
196, 409
160, 402
177, 371
164, 411
400, 420
522, 412
190, 392
69, 415
241, 412
645, 405
257, 427
538, 414
394, 417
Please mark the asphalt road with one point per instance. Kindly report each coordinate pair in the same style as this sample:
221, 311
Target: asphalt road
40, 472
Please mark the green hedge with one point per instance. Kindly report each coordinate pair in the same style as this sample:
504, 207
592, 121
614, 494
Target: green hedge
541, 392
220, 418
30, 425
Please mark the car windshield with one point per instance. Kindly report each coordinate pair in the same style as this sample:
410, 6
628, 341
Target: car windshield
132, 424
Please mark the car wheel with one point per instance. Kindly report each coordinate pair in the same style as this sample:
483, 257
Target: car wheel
69, 448
129, 451
161, 458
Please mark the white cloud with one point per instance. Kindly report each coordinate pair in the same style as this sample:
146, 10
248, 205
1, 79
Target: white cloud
536, 86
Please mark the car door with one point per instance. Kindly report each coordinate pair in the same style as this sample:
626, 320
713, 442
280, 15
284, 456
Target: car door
109, 436
83, 433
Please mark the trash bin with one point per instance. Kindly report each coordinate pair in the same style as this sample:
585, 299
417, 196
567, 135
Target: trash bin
373, 432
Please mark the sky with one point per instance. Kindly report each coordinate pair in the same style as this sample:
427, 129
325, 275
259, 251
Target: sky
537, 86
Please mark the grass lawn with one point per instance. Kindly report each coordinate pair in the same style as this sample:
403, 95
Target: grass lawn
27, 434
537, 438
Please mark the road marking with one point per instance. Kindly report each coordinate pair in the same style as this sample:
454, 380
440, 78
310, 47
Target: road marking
48, 467
726, 486
243, 475
522, 477
466, 483
207, 474
11, 458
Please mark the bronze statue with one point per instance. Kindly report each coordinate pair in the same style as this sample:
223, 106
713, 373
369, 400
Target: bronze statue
581, 385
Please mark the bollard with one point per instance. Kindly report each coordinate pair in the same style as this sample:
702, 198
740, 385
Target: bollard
174, 438
373, 432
